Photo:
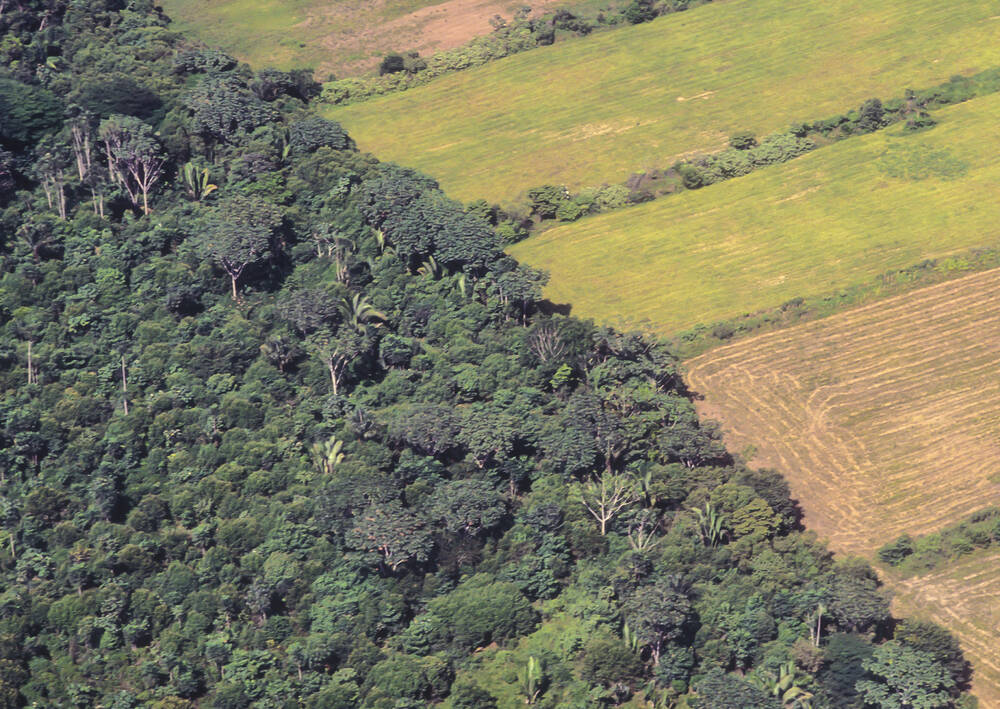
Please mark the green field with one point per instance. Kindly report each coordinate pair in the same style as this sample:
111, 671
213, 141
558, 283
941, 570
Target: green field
837, 216
594, 110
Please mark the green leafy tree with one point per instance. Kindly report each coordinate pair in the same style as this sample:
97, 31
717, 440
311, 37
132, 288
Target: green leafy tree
468, 506
239, 232
657, 615
904, 678
393, 533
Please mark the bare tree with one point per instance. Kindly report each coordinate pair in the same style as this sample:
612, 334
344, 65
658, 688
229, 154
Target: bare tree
546, 342
606, 495
135, 159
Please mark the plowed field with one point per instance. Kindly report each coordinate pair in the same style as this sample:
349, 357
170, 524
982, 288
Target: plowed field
884, 420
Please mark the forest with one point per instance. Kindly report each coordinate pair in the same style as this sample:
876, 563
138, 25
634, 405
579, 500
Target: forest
281, 425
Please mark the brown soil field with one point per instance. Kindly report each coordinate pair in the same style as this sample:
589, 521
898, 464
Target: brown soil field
884, 419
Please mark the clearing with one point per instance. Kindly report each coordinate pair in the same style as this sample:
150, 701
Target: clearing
593, 110
835, 217
339, 36
884, 420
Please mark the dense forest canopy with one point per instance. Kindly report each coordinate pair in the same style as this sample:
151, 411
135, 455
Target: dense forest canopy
282, 426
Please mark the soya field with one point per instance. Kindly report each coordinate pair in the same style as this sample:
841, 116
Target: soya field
834, 217
884, 420
591, 111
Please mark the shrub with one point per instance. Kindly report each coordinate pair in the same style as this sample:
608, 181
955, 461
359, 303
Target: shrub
744, 140
546, 200
893, 553
391, 64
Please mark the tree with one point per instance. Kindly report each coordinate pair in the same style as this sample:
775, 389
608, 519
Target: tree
468, 506
657, 615
135, 159
606, 495
223, 108
239, 232
531, 680
903, 678
392, 532
718, 690
336, 349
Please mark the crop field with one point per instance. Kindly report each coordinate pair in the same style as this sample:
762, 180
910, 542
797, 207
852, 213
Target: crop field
339, 36
594, 110
837, 216
884, 420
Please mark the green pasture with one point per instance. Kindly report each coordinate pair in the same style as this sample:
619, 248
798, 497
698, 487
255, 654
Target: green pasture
594, 110
834, 218
261, 32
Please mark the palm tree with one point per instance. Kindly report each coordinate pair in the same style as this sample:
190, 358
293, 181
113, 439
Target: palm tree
711, 525
358, 312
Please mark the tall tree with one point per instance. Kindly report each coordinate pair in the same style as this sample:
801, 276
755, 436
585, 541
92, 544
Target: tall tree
239, 232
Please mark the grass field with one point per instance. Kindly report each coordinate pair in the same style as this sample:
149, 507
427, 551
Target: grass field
594, 110
837, 216
344, 37
884, 421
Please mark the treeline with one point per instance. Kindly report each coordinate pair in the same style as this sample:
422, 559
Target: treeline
550, 204
398, 72
281, 426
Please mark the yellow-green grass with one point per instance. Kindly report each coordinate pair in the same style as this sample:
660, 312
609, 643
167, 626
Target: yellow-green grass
836, 217
883, 419
596, 109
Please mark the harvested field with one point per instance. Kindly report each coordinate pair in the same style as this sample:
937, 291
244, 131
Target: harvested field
593, 110
884, 419
339, 37
834, 218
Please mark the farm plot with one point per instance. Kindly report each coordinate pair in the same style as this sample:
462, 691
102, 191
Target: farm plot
884, 420
341, 37
596, 109
833, 218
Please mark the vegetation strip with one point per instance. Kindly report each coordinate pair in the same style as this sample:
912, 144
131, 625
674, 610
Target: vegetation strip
753, 244
551, 204
401, 72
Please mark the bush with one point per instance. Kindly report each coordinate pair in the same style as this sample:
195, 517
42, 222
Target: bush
391, 64
546, 200
744, 140
919, 122
893, 553
570, 211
